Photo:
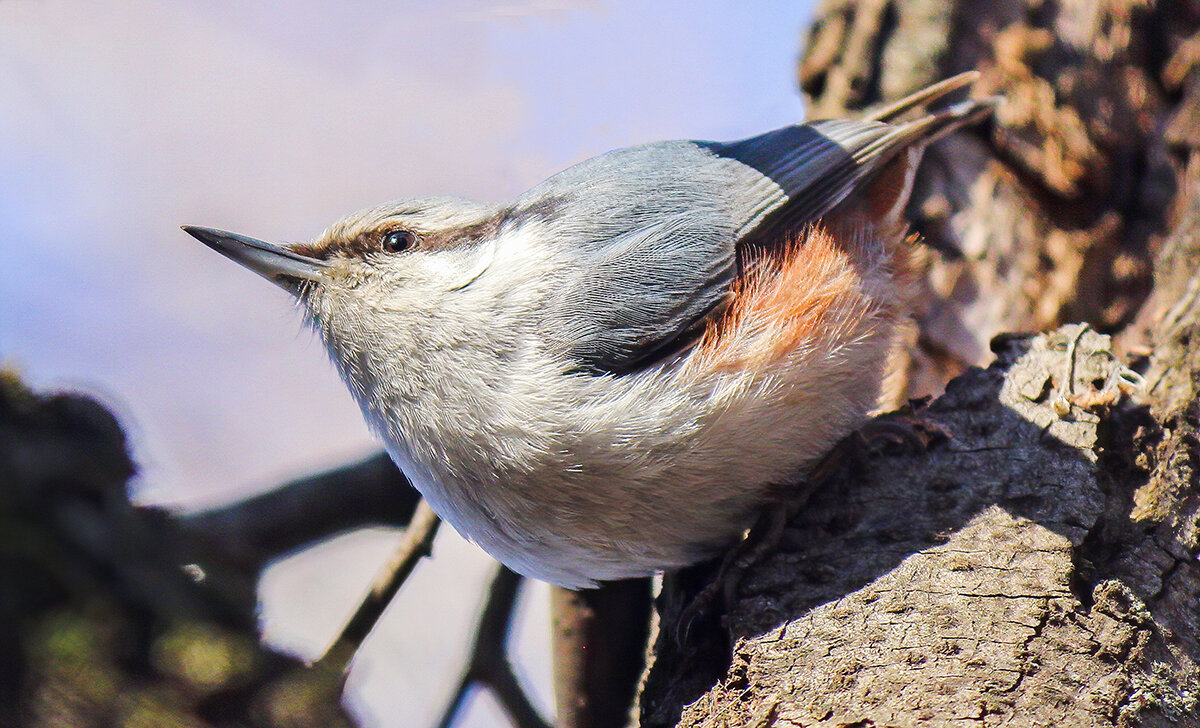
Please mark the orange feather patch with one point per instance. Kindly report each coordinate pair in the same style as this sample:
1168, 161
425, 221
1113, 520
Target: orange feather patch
817, 294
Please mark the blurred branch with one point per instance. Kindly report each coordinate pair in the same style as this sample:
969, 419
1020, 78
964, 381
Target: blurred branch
599, 641
489, 665
250, 533
418, 540
99, 625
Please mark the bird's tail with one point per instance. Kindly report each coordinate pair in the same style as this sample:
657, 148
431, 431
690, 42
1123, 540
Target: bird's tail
920, 125
920, 101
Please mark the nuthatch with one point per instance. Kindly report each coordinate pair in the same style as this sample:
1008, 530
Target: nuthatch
611, 375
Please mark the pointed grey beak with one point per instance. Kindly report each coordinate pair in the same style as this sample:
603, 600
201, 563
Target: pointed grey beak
281, 266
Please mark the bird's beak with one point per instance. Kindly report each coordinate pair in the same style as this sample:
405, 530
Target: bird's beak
281, 266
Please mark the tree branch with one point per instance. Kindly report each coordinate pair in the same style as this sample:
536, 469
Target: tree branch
417, 543
488, 664
251, 533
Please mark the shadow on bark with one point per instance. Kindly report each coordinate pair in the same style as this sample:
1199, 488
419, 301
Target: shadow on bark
965, 581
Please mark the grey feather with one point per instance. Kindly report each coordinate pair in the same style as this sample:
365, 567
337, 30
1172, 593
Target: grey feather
637, 299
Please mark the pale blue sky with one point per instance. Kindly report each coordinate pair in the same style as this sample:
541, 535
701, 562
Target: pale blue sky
121, 121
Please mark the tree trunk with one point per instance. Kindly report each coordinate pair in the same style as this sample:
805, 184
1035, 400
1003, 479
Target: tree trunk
1037, 563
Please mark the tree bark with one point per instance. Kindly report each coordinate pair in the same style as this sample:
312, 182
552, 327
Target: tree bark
1037, 565
1051, 217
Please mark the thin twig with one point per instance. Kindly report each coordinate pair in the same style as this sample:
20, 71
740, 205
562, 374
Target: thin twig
489, 665
418, 540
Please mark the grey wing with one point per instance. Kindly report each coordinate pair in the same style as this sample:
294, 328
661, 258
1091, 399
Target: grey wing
655, 231
644, 296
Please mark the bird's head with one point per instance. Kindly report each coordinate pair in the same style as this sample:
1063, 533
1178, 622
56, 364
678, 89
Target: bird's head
401, 255
427, 243
381, 278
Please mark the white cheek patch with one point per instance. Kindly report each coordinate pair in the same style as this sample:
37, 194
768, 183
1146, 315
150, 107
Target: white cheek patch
484, 255
525, 251
343, 274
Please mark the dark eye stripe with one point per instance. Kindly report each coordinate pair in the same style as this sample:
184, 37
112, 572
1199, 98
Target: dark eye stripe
386, 239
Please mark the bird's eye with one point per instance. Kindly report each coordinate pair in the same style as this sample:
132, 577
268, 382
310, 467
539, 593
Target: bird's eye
398, 241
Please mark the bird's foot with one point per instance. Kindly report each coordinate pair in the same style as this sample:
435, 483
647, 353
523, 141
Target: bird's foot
908, 429
758, 541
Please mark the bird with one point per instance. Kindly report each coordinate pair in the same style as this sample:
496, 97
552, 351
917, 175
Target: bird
612, 375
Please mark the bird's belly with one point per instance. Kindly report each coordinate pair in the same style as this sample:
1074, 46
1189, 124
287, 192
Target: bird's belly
627, 497
628, 527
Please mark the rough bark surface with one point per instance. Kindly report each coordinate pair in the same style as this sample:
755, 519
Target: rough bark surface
1001, 577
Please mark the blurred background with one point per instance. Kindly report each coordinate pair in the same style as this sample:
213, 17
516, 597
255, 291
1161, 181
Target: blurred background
121, 121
